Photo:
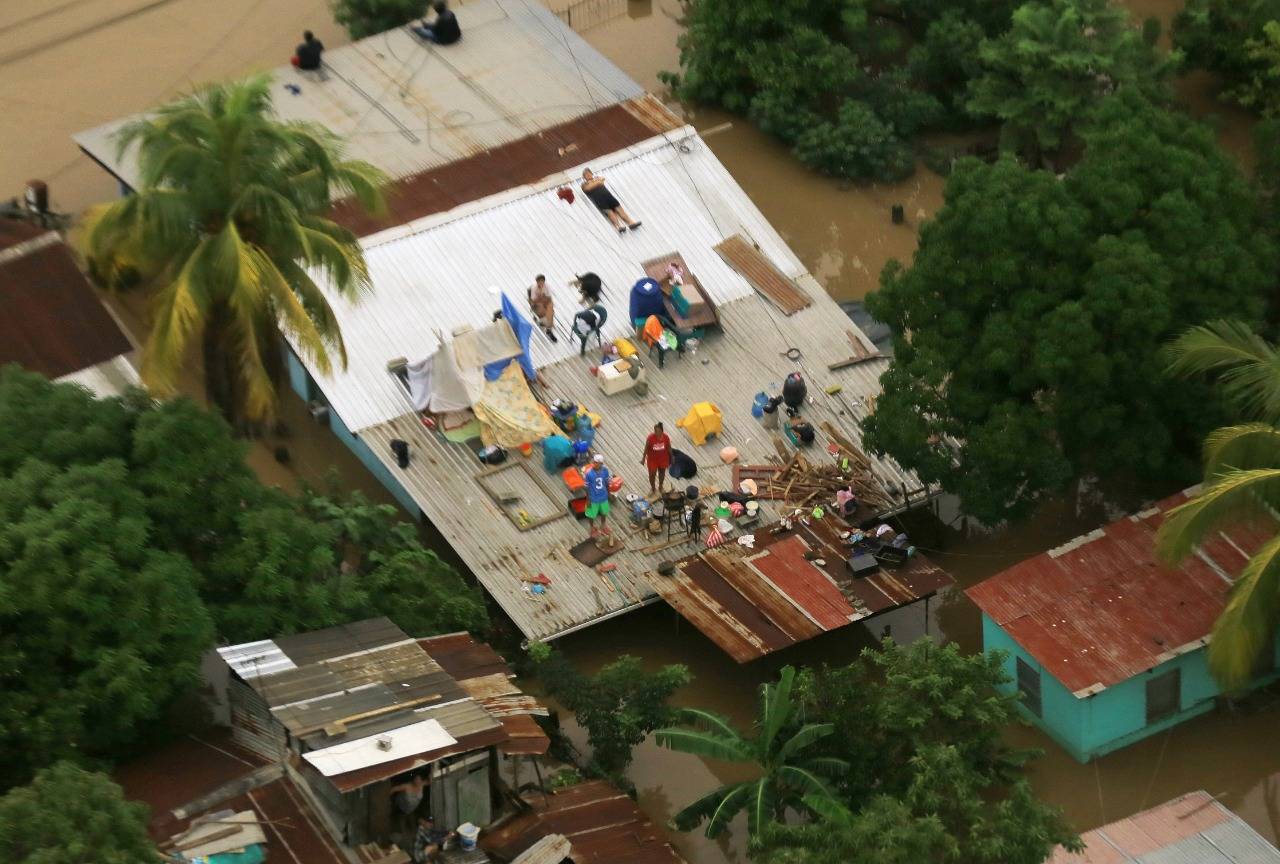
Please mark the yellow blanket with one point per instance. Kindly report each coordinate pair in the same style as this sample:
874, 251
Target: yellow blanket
508, 413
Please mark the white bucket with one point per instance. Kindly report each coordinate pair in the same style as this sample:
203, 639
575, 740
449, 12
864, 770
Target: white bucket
467, 836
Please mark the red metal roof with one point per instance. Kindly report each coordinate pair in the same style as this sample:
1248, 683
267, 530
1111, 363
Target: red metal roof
752, 602
1101, 609
51, 322
517, 163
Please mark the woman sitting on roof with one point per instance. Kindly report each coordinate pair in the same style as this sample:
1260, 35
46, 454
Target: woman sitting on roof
593, 187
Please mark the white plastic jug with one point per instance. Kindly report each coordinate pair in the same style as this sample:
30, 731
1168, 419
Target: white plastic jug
467, 836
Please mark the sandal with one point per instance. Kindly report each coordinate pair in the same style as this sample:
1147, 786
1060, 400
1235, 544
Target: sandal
634, 225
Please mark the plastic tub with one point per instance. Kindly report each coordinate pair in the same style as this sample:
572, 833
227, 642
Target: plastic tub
468, 834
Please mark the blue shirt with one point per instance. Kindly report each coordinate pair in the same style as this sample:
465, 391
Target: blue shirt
597, 485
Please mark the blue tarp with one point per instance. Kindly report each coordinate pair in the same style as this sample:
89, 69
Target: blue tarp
523, 330
646, 300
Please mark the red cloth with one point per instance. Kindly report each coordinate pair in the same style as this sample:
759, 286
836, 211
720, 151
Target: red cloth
657, 451
564, 193
295, 61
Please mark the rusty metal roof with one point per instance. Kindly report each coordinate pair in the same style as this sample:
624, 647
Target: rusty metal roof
1101, 609
752, 602
602, 823
51, 322
1192, 829
517, 163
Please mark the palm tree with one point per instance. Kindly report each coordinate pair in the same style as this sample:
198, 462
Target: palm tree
1241, 482
785, 776
231, 217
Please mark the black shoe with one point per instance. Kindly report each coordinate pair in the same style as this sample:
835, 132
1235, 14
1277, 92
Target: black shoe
622, 230
634, 225
552, 336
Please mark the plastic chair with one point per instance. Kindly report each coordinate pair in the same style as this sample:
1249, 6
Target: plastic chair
601, 315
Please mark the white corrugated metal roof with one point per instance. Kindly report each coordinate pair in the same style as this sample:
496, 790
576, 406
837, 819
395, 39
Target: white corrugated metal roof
256, 659
436, 274
406, 106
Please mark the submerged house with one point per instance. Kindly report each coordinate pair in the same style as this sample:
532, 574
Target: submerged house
1105, 644
486, 141
1194, 828
356, 709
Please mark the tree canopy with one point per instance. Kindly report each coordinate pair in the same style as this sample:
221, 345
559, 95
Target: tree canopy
929, 777
132, 532
1054, 63
363, 18
71, 816
849, 83
618, 706
1027, 330
1240, 41
231, 220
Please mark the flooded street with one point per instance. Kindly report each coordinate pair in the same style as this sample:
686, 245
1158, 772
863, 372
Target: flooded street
841, 232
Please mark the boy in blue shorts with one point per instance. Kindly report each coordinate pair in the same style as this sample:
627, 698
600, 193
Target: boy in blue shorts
597, 478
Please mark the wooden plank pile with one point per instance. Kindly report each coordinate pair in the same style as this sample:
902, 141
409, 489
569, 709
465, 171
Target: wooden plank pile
799, 482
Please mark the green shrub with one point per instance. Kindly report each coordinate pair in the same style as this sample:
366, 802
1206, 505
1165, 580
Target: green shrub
363, 18
858, 145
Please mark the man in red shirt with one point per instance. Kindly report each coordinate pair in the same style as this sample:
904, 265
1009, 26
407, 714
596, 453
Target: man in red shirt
657, 456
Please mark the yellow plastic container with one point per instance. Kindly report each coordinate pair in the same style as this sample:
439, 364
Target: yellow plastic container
625, 347
702, 422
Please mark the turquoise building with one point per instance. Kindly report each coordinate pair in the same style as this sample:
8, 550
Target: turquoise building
1106, 645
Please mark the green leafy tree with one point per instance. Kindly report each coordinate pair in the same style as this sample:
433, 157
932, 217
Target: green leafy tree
1056, 61
231, 215
930, 778
99, 631
618, 706
1237, 40
847, 82
782, 749
1027, 331
363, 18
71, 816
1241, 484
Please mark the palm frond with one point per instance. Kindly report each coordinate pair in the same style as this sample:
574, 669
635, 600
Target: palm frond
248, 336
710, 721
717, 808
776, 707
1248, 367
804, 737
761, 806
179, 312
316, 305
708, 745
1247, 627
804, 781
1232, 497
295, 319
1250, 445
827, 766
829, 809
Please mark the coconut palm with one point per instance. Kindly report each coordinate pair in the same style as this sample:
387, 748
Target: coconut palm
231, 220
1241, 482
786, 774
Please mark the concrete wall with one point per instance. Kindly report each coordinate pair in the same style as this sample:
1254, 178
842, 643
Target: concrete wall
302, 384
1095, 725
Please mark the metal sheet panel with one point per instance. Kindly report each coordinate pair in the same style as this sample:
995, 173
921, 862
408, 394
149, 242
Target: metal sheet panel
1100, 609
407, 107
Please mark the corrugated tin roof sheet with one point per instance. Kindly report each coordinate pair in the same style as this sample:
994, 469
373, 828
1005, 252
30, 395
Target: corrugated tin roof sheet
1101, 609
1192, 829
434, 276
517, 163
752, 602
51, 322
407, 107
602, 823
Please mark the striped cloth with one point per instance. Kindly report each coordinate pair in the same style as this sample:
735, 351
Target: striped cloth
714, 538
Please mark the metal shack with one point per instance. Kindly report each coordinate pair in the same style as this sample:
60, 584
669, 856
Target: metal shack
354, 709
1107, 645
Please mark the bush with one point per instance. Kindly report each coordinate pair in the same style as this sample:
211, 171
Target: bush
363, 18
857, 145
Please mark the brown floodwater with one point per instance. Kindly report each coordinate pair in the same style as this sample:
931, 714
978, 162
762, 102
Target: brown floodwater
843, 234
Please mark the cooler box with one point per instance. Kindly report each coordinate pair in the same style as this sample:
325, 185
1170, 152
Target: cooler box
615, 377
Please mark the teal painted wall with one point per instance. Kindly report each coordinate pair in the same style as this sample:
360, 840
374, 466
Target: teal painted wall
1116, 717
300, 382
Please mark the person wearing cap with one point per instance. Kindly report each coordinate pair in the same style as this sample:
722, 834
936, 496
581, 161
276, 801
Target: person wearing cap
597, 477
657, 457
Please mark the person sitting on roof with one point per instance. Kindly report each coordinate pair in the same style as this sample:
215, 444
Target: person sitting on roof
593, 187
543, 306
427, 841
444, 30
307, 56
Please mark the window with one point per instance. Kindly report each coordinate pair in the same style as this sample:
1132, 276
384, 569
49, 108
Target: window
1164, 696
1029, 687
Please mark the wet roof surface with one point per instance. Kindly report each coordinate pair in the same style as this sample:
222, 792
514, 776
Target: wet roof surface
1101, 609
1191, 829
